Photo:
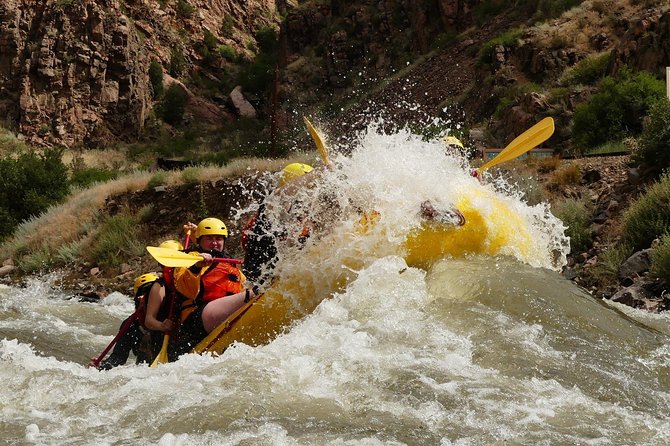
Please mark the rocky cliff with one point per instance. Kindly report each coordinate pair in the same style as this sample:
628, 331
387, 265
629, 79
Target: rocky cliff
76, 72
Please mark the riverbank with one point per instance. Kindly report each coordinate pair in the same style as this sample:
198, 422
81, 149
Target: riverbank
609, 184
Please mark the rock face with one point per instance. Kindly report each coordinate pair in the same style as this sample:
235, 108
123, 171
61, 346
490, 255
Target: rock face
75, 72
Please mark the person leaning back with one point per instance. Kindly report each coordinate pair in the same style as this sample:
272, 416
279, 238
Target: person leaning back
210, 290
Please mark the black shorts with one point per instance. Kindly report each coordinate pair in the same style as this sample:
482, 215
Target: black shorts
191, 332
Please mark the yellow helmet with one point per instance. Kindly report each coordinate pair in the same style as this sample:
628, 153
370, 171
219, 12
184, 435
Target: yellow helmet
292, 171
453, 141
143, 280
211, 226
172, 244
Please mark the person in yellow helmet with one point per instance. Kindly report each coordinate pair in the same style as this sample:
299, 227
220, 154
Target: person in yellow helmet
133, 336
160, 306
293, 171
262, 231
208, 291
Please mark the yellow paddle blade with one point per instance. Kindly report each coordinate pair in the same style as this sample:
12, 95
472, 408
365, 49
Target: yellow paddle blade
172, 258
320, 146
529, 139
162, 357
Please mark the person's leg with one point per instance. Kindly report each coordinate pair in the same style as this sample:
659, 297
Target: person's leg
218, 310
122, 348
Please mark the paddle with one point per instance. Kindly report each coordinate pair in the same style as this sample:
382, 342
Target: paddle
95, 362
162, 356
529, 139
177, 259
320, 146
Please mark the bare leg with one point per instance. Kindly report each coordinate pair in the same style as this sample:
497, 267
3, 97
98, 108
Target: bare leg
218, 310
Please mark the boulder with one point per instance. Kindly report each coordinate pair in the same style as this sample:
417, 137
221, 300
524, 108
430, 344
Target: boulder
242, 107
635, 265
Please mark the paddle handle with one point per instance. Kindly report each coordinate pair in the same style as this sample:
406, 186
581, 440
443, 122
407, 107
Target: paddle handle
226, 260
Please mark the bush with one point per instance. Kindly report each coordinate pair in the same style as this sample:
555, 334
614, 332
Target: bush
547, 9
85, 177
173, 105
158, 179
617, 109
210, 40
116, 240
267, 40
177, 63
184, 9
566, 175
508, 39
156, 79
576, 214
660, 259
606, 270
588, 70
654, 143
649, 217
29, 185
227, 52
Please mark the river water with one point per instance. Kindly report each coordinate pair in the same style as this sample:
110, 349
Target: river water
492, 347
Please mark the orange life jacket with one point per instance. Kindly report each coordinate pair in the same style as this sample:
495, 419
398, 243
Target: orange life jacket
220, 280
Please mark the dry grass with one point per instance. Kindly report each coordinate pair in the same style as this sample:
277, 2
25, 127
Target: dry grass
63, 231
575, 27
110, 159
567, 175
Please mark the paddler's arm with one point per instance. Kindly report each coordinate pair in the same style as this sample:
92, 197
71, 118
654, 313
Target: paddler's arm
155, 298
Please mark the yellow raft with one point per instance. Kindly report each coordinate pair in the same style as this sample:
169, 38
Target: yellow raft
491, 229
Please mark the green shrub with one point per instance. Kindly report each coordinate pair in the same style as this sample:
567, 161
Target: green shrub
588, 70
116, 240
36, 261
606, 271
210, 40
548, 9
30, 184
156, 78
256, 77
227, 27
214, 158
184, 9
177, 62
158, 179
648, 217
191, 175
507, 39
173, 105
654, 143
576, 214
660, 258
617, 109
227, 52
267, 39
607, 148
83, 178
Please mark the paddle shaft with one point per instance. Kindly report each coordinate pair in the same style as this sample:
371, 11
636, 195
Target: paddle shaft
122, 331
523, 143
